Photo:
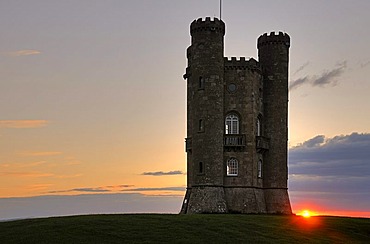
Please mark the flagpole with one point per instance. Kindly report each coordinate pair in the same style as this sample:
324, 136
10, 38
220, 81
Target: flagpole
220, 8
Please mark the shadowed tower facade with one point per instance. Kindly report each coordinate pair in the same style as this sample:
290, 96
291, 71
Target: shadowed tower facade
237, 111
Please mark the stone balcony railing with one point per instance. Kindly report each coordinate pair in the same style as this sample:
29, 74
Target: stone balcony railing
262, 143
234, 140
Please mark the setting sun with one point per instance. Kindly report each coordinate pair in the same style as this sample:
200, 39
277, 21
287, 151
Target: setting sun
306, 213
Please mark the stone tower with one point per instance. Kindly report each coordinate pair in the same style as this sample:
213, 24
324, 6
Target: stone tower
237, 133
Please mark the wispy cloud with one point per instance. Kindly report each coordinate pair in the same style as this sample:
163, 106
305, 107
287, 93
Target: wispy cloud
30, 174
38, 187
112, 188
22, 165
301, 68
68, 176
364, 63
20, 124
298, 82
161, 173
171, 188
46, 153
327, 77
24, 52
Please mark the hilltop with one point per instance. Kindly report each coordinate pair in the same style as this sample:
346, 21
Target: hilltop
167, 228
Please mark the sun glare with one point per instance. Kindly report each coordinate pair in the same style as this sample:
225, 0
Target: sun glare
306, 214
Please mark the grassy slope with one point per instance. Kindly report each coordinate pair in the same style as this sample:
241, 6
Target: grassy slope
158, 228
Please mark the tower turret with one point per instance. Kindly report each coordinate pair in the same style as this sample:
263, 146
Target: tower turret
205, 122
273, 54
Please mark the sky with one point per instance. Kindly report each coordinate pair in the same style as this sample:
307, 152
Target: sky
92, 102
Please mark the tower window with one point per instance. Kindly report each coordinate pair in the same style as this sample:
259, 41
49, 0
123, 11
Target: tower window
201, 83
258, 125
232, 124
200, 125
259, 169
232, 167
201, 168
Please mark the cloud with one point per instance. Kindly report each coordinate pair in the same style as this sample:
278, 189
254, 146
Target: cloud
23, 165
68, 176
316, 141
93, 189
328, 77
25, 52
364, 64
40, 153
20, 124
297, 83
301, 68
173, 188
331, 171
161, 173
90, 190
26, 174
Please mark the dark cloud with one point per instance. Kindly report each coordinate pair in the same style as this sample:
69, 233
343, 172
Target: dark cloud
172, 188
334, 170
328, 77
161, 173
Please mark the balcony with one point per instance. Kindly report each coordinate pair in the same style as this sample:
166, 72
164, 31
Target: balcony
234, 140
262, 143
188, 144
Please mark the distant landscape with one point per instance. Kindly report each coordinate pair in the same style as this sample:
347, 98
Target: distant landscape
203, 228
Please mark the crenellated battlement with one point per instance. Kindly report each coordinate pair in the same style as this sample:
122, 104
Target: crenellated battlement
208, 24
273, 38
233, 63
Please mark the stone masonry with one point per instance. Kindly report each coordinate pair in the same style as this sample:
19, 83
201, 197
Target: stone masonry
237, 111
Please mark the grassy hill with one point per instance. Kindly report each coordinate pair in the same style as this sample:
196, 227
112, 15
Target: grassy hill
165, 228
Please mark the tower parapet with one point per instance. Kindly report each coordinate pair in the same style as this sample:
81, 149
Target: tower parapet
214, 25
273, 38
234, 63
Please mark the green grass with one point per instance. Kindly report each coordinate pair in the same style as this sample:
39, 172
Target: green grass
205, 228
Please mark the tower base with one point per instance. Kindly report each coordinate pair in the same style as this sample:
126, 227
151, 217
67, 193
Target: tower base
204, 199
244, 200
277, 201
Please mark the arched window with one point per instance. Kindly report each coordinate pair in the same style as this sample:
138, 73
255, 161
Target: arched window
201, 168
259, 169
232, 167
201, 83
258, 126
200, 125
232, 124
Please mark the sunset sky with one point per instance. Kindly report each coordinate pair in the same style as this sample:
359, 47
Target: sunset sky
92, 101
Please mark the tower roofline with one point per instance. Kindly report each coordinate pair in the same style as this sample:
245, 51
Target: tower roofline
241, 63
208, 24
273, 38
